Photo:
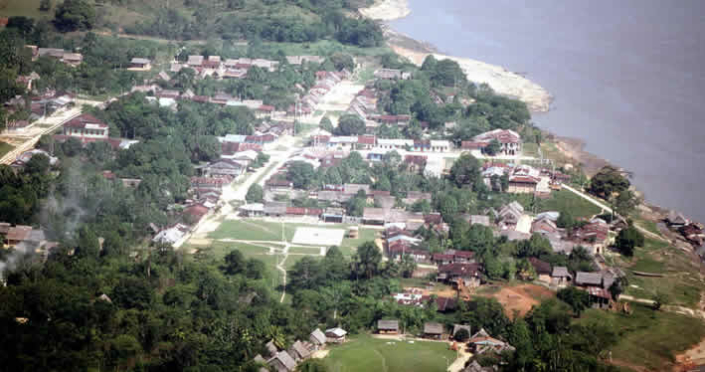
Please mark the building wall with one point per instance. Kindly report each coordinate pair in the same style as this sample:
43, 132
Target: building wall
521, 188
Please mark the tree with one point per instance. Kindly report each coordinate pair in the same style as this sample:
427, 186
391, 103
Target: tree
368, 258
391, 158
38, 164
493, 148
577, 299
608, 181
301, 174
565, 220
74, 15
350, 125
342, 61
625, 202
87, 245
429, 63
465, 170
235, 263
628, 239
24, 25
659, 299
305, 274
462, 335
71, 147
326, 125
45, 5
255, 194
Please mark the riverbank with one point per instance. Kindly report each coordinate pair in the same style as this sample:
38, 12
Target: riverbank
503, 81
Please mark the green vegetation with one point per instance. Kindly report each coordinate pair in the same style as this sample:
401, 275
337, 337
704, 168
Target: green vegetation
364, 353
566, 201
681, 276
5, 148
257, 230
648, 338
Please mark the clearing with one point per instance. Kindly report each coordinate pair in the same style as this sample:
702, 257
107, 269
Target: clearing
364, 353
649, 338
5, 148
520, 298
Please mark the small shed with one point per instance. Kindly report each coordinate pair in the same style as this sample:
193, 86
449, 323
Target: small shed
388, 327
277, 209
353, 232
282, 362
560, 276
433, 330
299, 351
317, 339
336, 335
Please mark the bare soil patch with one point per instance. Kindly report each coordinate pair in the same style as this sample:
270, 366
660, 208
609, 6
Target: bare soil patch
521, 298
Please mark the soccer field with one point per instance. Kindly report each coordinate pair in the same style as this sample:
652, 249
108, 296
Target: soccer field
366, 354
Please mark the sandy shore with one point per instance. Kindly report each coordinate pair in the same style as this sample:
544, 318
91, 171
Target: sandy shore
500, 79
387, 10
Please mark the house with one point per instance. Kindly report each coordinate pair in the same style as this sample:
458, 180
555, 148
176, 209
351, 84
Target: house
223, 167
195, 61
676, 219
415, 163
195, 213
278, 185
171, 235
544, 226
86, 128
317, 339
388, 327
476, 367
511, 213
481, 343
542, 268
275, 209
282, 362
299, 351
300, 211
366, 142
334, 215
391, 74
374, 216
595, 235
478, 219
414, 196
140, 63
17, 234
523, 180
461, 274
509, 140
336, 335
560, 276
252, 210
433, 330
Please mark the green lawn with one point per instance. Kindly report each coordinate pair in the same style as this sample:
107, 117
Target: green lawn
258, 230
5, 148
681, 281
366, 354
565, 200
27, 8
649, 338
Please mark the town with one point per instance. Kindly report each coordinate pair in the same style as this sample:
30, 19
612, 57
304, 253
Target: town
318, 207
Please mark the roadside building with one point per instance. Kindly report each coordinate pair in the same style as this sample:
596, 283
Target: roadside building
433, 330
336, 335
140, 63
388, 327
561, 277
509, 140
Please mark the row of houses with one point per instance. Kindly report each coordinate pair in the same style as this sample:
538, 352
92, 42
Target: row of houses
40, 106
325, 82
87, 128
287, 360
69, 58
169, 98
372, 142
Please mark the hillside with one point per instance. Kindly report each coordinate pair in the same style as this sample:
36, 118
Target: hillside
270, 20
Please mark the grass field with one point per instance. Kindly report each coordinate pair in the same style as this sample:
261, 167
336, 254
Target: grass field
565, 200
27, 8
649, 338
681, 281
366, 354
258, 230
5, 148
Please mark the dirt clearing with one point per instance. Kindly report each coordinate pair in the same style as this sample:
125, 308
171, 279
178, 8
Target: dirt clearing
521, 298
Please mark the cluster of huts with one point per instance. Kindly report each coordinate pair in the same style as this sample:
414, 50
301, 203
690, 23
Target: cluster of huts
287, 360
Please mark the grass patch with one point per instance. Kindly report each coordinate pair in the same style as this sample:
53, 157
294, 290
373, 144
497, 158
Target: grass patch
681, 276
5, 148
364, 353
259, 230
564, 200
649, 338
27, 8
530, 149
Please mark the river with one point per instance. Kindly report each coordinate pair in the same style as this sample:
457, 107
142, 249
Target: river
628, 77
